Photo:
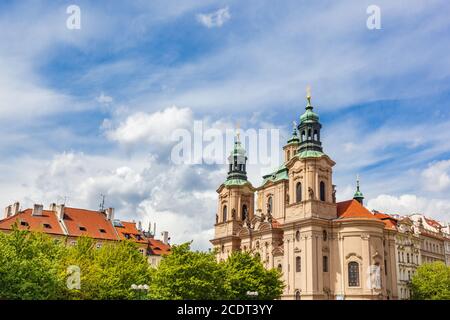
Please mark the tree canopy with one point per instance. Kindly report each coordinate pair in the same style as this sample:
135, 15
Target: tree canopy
431, 282
37, 266
197, 275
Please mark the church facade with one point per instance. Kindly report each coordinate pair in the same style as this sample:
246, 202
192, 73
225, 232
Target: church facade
324, 249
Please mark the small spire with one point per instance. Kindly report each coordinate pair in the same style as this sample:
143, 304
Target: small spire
237, 132
294, 129
358, 194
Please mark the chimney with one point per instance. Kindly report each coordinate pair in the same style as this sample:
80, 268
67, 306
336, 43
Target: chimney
59, 209
110, 214
15, 208
52, 207
165, 236
37, 210
8, 211
139, 226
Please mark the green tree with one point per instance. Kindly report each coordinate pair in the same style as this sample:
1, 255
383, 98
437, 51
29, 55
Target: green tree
431, 282
108, 272
244, 272
185, 274
30, 266
197, 275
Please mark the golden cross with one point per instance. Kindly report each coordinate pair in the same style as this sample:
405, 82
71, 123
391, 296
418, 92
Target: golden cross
308, 91
237, 130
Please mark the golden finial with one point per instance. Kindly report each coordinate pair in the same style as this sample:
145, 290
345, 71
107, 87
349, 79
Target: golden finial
237, 131
308, 94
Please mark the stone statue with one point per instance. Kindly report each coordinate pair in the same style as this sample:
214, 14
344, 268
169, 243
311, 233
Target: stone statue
233, 214
217, 218
334, 195
245, 212
248, 223
311, 193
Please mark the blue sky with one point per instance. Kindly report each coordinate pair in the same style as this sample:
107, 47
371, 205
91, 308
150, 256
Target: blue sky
90, 111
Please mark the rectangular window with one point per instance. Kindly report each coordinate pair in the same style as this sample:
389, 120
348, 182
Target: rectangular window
353, 274
325, 263
298, 264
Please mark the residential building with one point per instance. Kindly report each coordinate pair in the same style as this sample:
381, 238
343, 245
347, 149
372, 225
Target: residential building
68, 224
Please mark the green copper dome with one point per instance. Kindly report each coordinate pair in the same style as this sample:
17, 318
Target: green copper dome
309, 115
294, 138
238, 150
358, 195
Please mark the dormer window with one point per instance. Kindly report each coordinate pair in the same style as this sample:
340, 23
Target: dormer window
24, 223
82, 228
47, 226
102, 231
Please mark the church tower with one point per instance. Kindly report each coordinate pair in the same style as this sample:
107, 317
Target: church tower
291, 147
311, 189
235, 205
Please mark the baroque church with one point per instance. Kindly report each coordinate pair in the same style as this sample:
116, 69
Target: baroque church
323, 248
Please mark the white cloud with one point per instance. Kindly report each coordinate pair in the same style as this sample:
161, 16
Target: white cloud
214, 19
436, 176
408, 204
154, 128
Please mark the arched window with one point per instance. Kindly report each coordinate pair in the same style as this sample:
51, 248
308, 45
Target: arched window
298, 264
244, 212
303, 136
297, 235
269, 205
223, 248
224, 213
288, 155
297, 295
353, 274
325, 263
322, 191
280, 267
316, 135
324, 235
298, 192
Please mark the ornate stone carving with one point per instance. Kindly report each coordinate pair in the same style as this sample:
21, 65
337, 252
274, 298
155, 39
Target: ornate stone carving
352, 254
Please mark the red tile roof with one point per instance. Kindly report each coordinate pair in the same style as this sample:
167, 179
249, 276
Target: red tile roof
353, 209
389, 221
157, 247
433, 223
128, 230
94, 222
47, 222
